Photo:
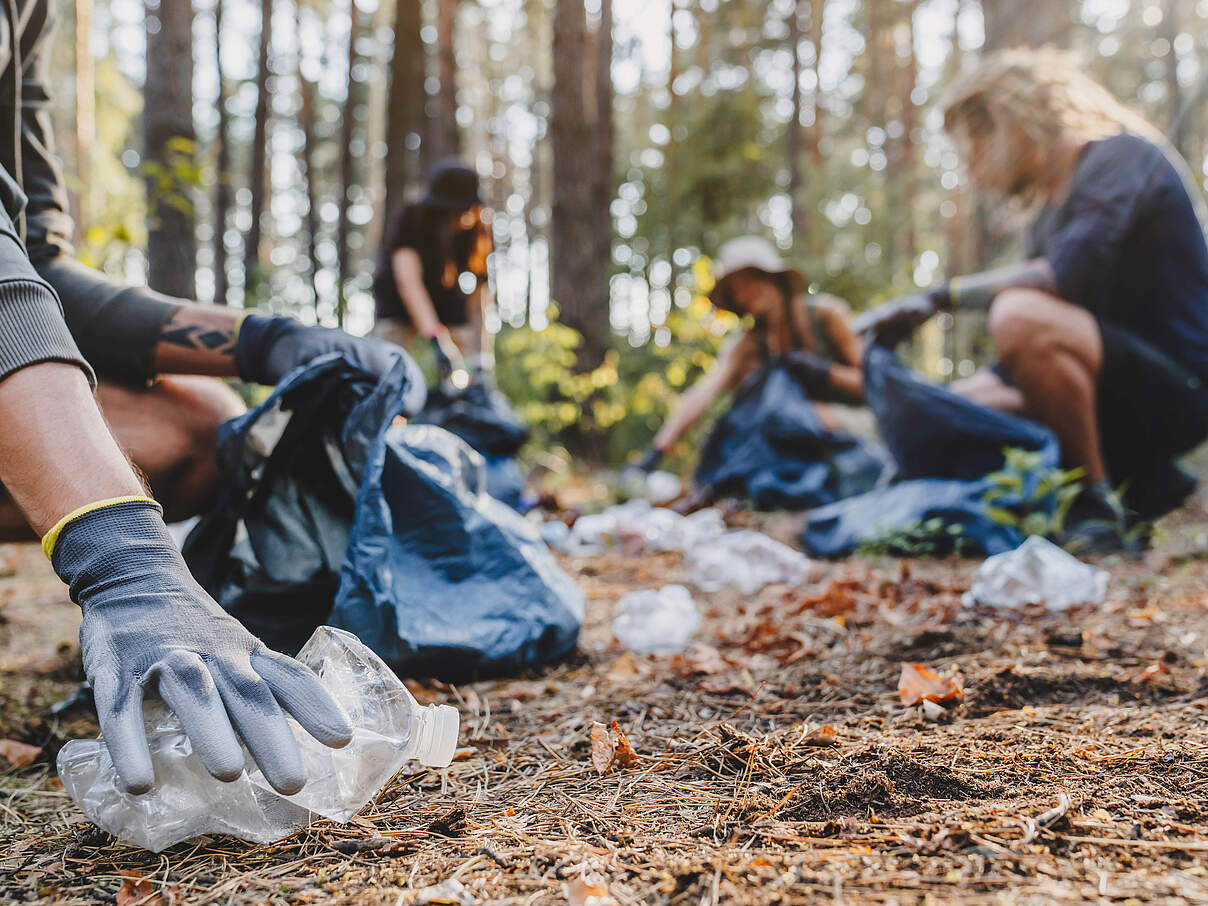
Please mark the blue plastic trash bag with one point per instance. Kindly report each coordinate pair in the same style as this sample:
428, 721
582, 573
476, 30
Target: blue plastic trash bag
944, 446
330, 513
771, 448
482, 417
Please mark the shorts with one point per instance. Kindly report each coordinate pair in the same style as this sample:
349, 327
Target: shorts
1150, 408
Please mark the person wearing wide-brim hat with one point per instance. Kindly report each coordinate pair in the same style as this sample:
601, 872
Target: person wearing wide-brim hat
812, 331
430, 280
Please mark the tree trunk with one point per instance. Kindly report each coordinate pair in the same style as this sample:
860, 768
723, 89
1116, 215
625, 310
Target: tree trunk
447, 131
604, 140
1028, 23
85, 111
306, 122
259, 174
347, 163
405, 103
170, 141
1174, 91
571, 268
792, 135
222, 168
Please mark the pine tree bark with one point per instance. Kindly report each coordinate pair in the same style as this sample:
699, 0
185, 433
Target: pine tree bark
447, 131
259, 176
572, 270
1028, 23
347, 166
604, 140
85, 111
306, 122
168, 115
222, 168
405, 103
792, 135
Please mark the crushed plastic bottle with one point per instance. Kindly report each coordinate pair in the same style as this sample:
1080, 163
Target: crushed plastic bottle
1037, 572
637, 527
746, 560
390, 728
663, 487
656, 621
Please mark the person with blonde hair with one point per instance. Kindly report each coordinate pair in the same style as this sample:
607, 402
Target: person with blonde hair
1102, 331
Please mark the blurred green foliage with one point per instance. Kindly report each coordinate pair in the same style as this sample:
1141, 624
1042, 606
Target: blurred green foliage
621, 404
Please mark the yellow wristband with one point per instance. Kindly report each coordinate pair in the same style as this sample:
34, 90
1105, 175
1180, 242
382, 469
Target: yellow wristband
51, 537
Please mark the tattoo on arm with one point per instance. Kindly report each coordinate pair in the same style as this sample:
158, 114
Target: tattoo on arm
202, 337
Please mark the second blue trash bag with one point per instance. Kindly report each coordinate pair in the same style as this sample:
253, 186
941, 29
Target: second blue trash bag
771, 448
329, 512
944, 446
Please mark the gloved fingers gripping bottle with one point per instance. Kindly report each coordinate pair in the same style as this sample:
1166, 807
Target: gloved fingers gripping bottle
148, 627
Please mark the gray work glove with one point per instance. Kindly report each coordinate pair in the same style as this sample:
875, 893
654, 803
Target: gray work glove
889, 324
810, 371
149, 627
269, 348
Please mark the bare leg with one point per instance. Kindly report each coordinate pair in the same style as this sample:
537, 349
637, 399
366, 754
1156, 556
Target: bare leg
169, 431
1054, 354
987, 389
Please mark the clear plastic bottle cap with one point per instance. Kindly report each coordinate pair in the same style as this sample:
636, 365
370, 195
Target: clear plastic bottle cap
446, 723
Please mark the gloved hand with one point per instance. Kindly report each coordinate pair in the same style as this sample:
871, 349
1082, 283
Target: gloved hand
268, 348
449, 360
148, 626
650, 460
812, 372
889, 324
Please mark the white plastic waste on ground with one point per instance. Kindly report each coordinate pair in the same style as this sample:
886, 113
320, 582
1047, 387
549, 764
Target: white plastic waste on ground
746, 560
390, 729
656, 621
1037, 572
636, 527
662, 487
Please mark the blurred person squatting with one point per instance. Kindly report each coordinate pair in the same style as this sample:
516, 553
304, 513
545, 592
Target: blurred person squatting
1102, 332
811, 333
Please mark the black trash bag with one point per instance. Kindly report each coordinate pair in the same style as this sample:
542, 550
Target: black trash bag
327, 514
944, 447
480, 415
772, 449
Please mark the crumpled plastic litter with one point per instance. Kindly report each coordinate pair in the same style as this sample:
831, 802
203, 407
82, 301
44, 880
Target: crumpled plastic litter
656, 621
1037, 572
636, 527
746, 560
390, 728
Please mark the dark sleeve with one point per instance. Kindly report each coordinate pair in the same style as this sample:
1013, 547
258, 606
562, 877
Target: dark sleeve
116, 326
48, 225
1108, 188
32, 329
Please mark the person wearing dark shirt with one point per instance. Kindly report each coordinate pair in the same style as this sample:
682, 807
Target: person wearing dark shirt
67, 332
430, 280
1102, 332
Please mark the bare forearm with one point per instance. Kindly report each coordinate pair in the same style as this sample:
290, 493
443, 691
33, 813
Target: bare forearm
977, 291
691, 408
200, 339
56, 452
848, 379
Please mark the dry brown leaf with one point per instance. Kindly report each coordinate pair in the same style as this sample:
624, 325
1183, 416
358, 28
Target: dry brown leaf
919, 682
624, 669
603, 751
588, 893
137, 891
18, 754
836, 599
822, 737
1150, 672
625, 755
702, 658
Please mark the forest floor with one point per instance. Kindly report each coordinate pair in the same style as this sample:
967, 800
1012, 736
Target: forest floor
1074, 770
